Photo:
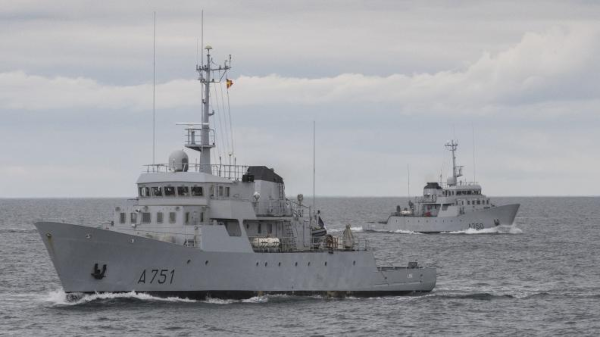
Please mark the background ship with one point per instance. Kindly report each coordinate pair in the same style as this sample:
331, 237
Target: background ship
455, 206
218, 230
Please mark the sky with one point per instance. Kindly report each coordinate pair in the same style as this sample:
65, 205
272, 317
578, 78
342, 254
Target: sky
387, 83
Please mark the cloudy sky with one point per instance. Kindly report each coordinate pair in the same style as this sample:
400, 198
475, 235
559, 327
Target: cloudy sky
387, 82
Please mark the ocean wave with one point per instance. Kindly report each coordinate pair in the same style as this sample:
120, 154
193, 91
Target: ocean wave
482, 296
490, 293
17, 230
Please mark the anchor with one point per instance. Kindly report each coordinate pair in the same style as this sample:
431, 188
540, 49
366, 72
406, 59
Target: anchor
496, 222
97, 274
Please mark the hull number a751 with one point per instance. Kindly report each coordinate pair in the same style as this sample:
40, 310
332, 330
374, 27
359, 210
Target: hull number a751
160, 276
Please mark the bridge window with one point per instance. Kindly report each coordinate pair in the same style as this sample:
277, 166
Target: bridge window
146, 217
159, 217
169, 191
259, 228
468, 202
172, 217
227, 191
183, 191
133, 217
157, 191
187, 217
122, 218
144, 192
220, 191
197, 191
270, 228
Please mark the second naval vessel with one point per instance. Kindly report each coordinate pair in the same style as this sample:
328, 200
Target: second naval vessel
219, 230
455, 206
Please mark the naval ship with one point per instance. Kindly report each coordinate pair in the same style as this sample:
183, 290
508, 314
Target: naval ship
455, 206
199, 230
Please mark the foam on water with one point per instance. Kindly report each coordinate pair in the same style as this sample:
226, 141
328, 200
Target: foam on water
337, 230
402, 231
502, 229
59, 297
399, 231
211, 300
256, 299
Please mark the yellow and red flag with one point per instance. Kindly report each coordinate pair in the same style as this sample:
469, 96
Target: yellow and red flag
229, 83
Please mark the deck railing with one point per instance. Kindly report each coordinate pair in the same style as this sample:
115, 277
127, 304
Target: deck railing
228, 171
289, 244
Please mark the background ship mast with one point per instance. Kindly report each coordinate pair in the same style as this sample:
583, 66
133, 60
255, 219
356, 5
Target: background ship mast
456, 170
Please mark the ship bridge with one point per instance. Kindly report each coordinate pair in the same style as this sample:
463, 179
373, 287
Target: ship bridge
463, 189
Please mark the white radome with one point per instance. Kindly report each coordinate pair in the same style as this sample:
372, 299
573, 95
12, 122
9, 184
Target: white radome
178, 161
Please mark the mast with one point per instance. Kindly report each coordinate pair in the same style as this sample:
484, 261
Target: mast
314, 166
205, 165
154, 95
456, 170
206, 139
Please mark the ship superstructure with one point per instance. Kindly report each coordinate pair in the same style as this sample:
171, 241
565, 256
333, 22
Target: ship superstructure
223, 230
455, 206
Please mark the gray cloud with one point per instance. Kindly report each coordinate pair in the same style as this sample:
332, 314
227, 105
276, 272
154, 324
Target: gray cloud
387, 81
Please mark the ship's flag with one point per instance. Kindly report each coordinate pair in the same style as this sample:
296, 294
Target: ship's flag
229, 83
321, 223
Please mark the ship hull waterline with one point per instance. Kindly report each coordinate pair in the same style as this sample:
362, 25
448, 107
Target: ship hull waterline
94, 260
477, 220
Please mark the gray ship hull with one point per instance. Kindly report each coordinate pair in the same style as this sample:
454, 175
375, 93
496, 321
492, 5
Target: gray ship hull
91, 260
478, 220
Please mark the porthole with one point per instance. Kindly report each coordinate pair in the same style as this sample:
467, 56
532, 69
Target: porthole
206, 262
257, 264
188, 261
309, 264
354, 263
296, 264
326, 263
279, 264
266, 264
